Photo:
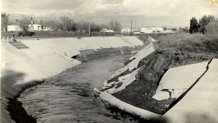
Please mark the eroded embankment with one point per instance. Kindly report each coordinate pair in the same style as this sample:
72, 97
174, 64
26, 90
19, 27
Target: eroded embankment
140, 92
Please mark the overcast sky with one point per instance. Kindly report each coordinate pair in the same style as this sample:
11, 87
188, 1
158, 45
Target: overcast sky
141, 12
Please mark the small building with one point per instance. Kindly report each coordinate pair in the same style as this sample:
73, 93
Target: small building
12, 28
136, 31
38, 27
158, 29
152, 30
146, 30
125, 30
47, 28
107, 30
168, 31
34, 27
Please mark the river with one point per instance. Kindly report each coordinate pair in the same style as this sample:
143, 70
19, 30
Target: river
68, 97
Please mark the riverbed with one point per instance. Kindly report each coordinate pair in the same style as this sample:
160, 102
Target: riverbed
68, 97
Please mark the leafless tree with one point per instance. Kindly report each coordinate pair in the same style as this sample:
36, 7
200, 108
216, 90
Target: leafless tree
115, 25
4, 21
24, 24
67, 23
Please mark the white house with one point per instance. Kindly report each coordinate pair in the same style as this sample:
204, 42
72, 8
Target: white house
158, 29
11, 28
107, 30
146, 30
125, 30
168, 31
33, 27
47, 28
38, 27
151, 30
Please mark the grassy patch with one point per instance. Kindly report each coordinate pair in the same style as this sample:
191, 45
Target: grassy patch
185, 42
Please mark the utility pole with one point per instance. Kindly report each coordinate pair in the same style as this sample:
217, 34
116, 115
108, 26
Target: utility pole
89, 26
131, 26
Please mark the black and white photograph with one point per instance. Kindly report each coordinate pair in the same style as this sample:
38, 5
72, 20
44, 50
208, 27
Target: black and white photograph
109, 61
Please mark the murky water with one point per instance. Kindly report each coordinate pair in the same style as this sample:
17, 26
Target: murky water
68, 97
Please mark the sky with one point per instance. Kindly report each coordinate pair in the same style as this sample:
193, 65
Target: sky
141, 12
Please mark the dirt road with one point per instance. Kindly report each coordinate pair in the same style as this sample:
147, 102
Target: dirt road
68, 97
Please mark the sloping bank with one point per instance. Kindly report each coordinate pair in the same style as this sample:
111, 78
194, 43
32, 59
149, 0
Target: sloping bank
154, 85
29, 62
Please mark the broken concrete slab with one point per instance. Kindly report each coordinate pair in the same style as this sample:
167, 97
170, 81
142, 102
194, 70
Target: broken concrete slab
200, 101
177, 80
154, 79
199, 105
131, 67
134, 61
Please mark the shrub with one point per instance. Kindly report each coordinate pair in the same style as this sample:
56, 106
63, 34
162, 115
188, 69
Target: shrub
25, 33
186, 42
212, 29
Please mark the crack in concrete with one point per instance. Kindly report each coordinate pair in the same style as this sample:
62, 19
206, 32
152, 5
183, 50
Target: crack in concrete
183, 95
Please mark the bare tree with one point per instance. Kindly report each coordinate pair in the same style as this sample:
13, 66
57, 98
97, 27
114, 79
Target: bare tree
115, 25
67, 24
95, 27
4, 21
24, 24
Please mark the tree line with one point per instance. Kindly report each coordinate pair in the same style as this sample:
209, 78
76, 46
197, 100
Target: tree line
199, 26
64, 23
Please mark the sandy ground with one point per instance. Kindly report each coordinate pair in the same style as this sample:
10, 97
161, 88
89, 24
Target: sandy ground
68, 97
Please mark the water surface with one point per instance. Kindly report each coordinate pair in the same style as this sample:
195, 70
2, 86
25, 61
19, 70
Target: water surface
68, 97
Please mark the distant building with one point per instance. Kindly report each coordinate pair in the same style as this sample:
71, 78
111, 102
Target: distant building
136, 31
34, 27
107, 30
125, 30
151, 30
146, 30
38, 27
168, 31
31, 27
11, 28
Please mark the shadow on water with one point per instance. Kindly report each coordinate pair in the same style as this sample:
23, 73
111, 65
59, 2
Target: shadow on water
10, 91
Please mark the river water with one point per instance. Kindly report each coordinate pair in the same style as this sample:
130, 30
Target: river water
68, 97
